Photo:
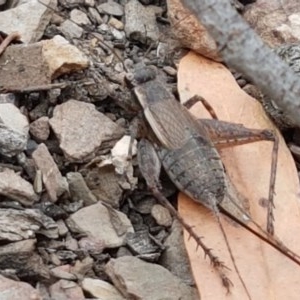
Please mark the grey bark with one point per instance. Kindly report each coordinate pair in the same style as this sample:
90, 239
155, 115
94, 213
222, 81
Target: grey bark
243, 50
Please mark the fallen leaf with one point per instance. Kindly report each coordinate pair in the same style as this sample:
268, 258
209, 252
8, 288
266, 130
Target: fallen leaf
267, 273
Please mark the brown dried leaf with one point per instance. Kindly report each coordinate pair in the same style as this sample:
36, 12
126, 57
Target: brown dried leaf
267, 273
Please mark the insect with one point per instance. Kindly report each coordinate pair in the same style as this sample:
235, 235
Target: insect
169, 145
187, 150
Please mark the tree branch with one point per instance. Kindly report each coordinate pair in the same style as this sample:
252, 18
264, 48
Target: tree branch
243, 50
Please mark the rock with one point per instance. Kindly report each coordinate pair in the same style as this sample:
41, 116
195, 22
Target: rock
63, 272
65, 290
11, 290
16, 225
107, 226
174, 257
104, 184
161, 215
51, 58
117, 34
111, 8
116, 23
141, 22
8, 98
13, 130
136, 279
54, 182
101, 289
22, 258
142, 244
70, 30
62, 57
119, 158
79, 190
62, 228
15, 187
81, 129
30, 19
190, 32
79, 17
83, 267
275, 23
40, 129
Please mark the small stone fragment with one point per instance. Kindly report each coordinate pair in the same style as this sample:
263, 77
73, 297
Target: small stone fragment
51, 58
99, 222
111, 8
79, 17
136, 279
65, 289
54, 182
141, 22
140, 243
13, 130
62, 228
161, 215
104, 184
15, 187
70, 30
81, 129
62, 57
116, 23
31, 19
79, 190
101, 289
40, 128
22, 258
16, 225
11, 289
174, 257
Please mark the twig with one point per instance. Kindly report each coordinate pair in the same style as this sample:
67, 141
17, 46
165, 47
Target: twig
11, 37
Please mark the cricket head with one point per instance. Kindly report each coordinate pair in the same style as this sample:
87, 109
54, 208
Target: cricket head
140, 75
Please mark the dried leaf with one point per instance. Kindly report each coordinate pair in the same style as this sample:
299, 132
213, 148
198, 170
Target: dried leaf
264, 270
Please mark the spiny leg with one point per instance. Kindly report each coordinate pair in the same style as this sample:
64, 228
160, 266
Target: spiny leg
225, 134
150, 168
195, 99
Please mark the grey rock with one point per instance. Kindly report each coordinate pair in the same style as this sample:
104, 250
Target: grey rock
65, 289
104, 184
107, 226
79, 17
40, 128
95, 16
111, 8
175, 258
21, 257
15, 187
81, 129
141, 22
31, 19
54, 182
117, 34
70, 30
101, 289
16, 225
79, 190
13, 130
161, 215
10, 289
136, 279
140, 243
